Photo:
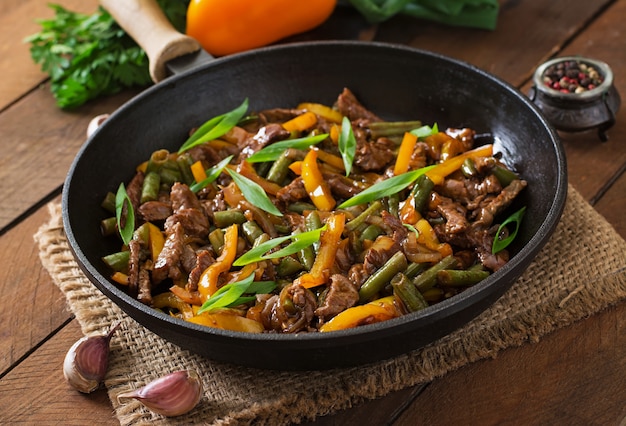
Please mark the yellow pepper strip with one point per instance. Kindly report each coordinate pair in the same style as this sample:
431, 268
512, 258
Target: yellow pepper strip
314, 183
157, 241
191, 297
228, 321
243, 273
296, 167
198, 172
407, 213
335, 131
376, 311
170, 300
246, 169
323, 111
330, 159
404, 153
428, 238
120, 278
207, 285
438, 173
142, 167
325, 259
301, 123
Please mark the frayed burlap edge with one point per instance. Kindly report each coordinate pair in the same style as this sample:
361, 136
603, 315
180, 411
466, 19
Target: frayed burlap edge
581, 271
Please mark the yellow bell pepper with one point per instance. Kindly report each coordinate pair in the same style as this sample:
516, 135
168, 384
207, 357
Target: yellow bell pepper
301, 123
207, 285
314, 183
228, 321
198, 172
327, 112
404, 153
157, 241
375, 311
438, 173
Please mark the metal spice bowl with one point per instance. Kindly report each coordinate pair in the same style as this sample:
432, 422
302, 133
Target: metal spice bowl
577, 110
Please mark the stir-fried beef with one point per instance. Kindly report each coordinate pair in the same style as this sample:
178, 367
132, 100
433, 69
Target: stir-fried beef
292, 192
488, 210
155, 211
203, 260
144, 287
341, 186
452, 211
291, 311
270, 133
187, 211
349, 106
342, 294
372, 156
169, 257
134, 266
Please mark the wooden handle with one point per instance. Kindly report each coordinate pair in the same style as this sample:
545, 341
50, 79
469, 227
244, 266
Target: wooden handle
146, 23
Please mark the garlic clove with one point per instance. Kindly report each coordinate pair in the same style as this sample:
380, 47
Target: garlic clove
86, 362
171, 395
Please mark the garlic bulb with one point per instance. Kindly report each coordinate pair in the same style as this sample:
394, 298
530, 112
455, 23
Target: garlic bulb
171, 395
86, 362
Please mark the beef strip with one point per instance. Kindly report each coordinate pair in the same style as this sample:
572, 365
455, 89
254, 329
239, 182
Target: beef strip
169, 257
452, 211
349, 106
204, 259
293, 192
488, 210
270, 133
342, 294
373, 156
154, 211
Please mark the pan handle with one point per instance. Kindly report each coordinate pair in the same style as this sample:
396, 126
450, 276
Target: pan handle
146, 23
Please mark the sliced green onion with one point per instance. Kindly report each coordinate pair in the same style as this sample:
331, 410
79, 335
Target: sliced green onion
300, 241
347, 144
273, 151
231, 294
211, 174
501, 244
215, 127
254, 193
422, 132
385, 188
121, 198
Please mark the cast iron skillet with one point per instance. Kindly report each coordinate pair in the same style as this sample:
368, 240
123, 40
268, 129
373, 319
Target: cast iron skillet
396, 83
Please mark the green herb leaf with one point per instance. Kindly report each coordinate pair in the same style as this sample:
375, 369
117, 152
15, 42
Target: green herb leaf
385, 188
272, 152
300, 241
422, 132
501, 244
121, 199
215, 127
411, 228
347, 144
211, 174
231, 294
253, 192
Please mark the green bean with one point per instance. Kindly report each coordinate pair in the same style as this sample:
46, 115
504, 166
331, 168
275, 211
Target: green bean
421, 192
216, 238
468, 168
288, 266
415, 268
404, 288
118, 261
433, 295
142, 235
280, 168
380, 278
306, 256
157, 159
371, 232
108, 226
262, 168
428, 278
150, 187
504, 175
109, 202
460, 278
251, 230
169, 176
225, 218
393, 204
393, 128
356, 223
312, 222
282, 228
300, 207
184, 162
261, 239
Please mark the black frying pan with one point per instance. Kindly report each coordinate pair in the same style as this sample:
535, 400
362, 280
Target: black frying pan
396, 83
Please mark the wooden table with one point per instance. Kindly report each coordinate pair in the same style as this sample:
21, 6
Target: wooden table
576, 375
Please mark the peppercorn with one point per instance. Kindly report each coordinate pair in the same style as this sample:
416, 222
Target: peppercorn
572, 77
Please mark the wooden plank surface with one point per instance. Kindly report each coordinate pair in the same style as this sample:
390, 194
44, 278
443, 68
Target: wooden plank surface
588, 368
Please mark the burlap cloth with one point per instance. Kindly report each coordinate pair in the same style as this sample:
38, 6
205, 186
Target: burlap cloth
581, 271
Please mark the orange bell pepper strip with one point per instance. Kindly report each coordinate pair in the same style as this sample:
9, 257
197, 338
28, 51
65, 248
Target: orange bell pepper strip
171, 300
330, 159
375, 311
226, 27
246, 169
438, 173
228, 321
120, 278
198, 172
314, 183
325, 259
157, 241
327, 112
404, 153
296, 167
207, 285
301, 122
427, 237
